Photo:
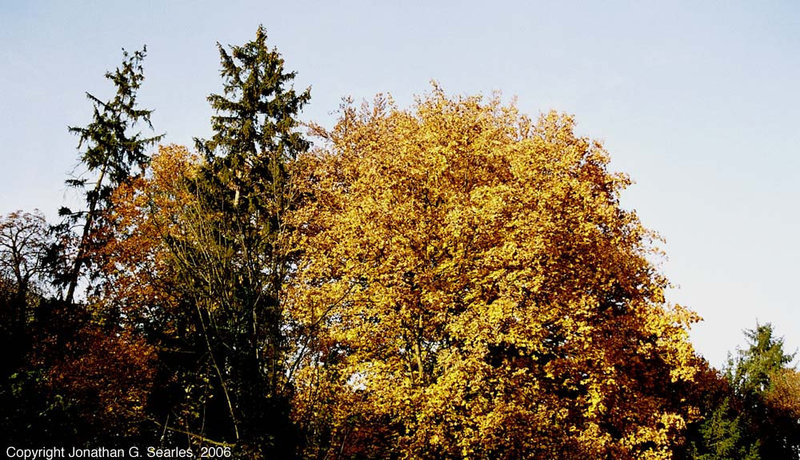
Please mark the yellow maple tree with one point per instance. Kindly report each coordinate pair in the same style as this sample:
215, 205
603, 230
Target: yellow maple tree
471, 288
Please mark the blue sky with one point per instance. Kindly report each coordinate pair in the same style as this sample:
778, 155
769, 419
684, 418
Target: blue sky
698, 103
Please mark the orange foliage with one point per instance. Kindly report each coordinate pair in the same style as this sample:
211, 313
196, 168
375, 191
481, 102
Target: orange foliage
146, 212
108, 375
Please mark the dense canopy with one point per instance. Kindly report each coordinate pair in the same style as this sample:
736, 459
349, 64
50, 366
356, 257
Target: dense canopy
478, 291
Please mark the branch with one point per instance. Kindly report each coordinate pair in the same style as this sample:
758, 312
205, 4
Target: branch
193, 435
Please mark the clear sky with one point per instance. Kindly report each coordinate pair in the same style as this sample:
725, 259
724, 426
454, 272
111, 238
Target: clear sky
697, 101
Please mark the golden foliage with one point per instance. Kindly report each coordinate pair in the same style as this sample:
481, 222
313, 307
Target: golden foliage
149, 214
784, 393
471, 288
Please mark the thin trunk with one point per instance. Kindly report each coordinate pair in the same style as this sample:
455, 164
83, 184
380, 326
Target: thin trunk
219, 373
79, 257
418, 351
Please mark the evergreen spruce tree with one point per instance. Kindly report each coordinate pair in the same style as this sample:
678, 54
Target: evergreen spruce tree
247, 192
723, 436
112, 151
751, 371
751, 374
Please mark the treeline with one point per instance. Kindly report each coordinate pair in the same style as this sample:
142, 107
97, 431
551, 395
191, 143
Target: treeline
452, 280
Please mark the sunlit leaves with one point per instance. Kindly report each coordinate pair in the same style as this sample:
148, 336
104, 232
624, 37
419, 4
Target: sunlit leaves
473, 283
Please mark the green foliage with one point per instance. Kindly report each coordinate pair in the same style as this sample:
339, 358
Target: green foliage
749, 421
111, 150
751, 371
255, 125
722, 436
233, 260
257, 113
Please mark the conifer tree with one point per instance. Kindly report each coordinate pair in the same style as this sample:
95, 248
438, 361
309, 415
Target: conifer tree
112, 149
245, 191
753, 374
752, 370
